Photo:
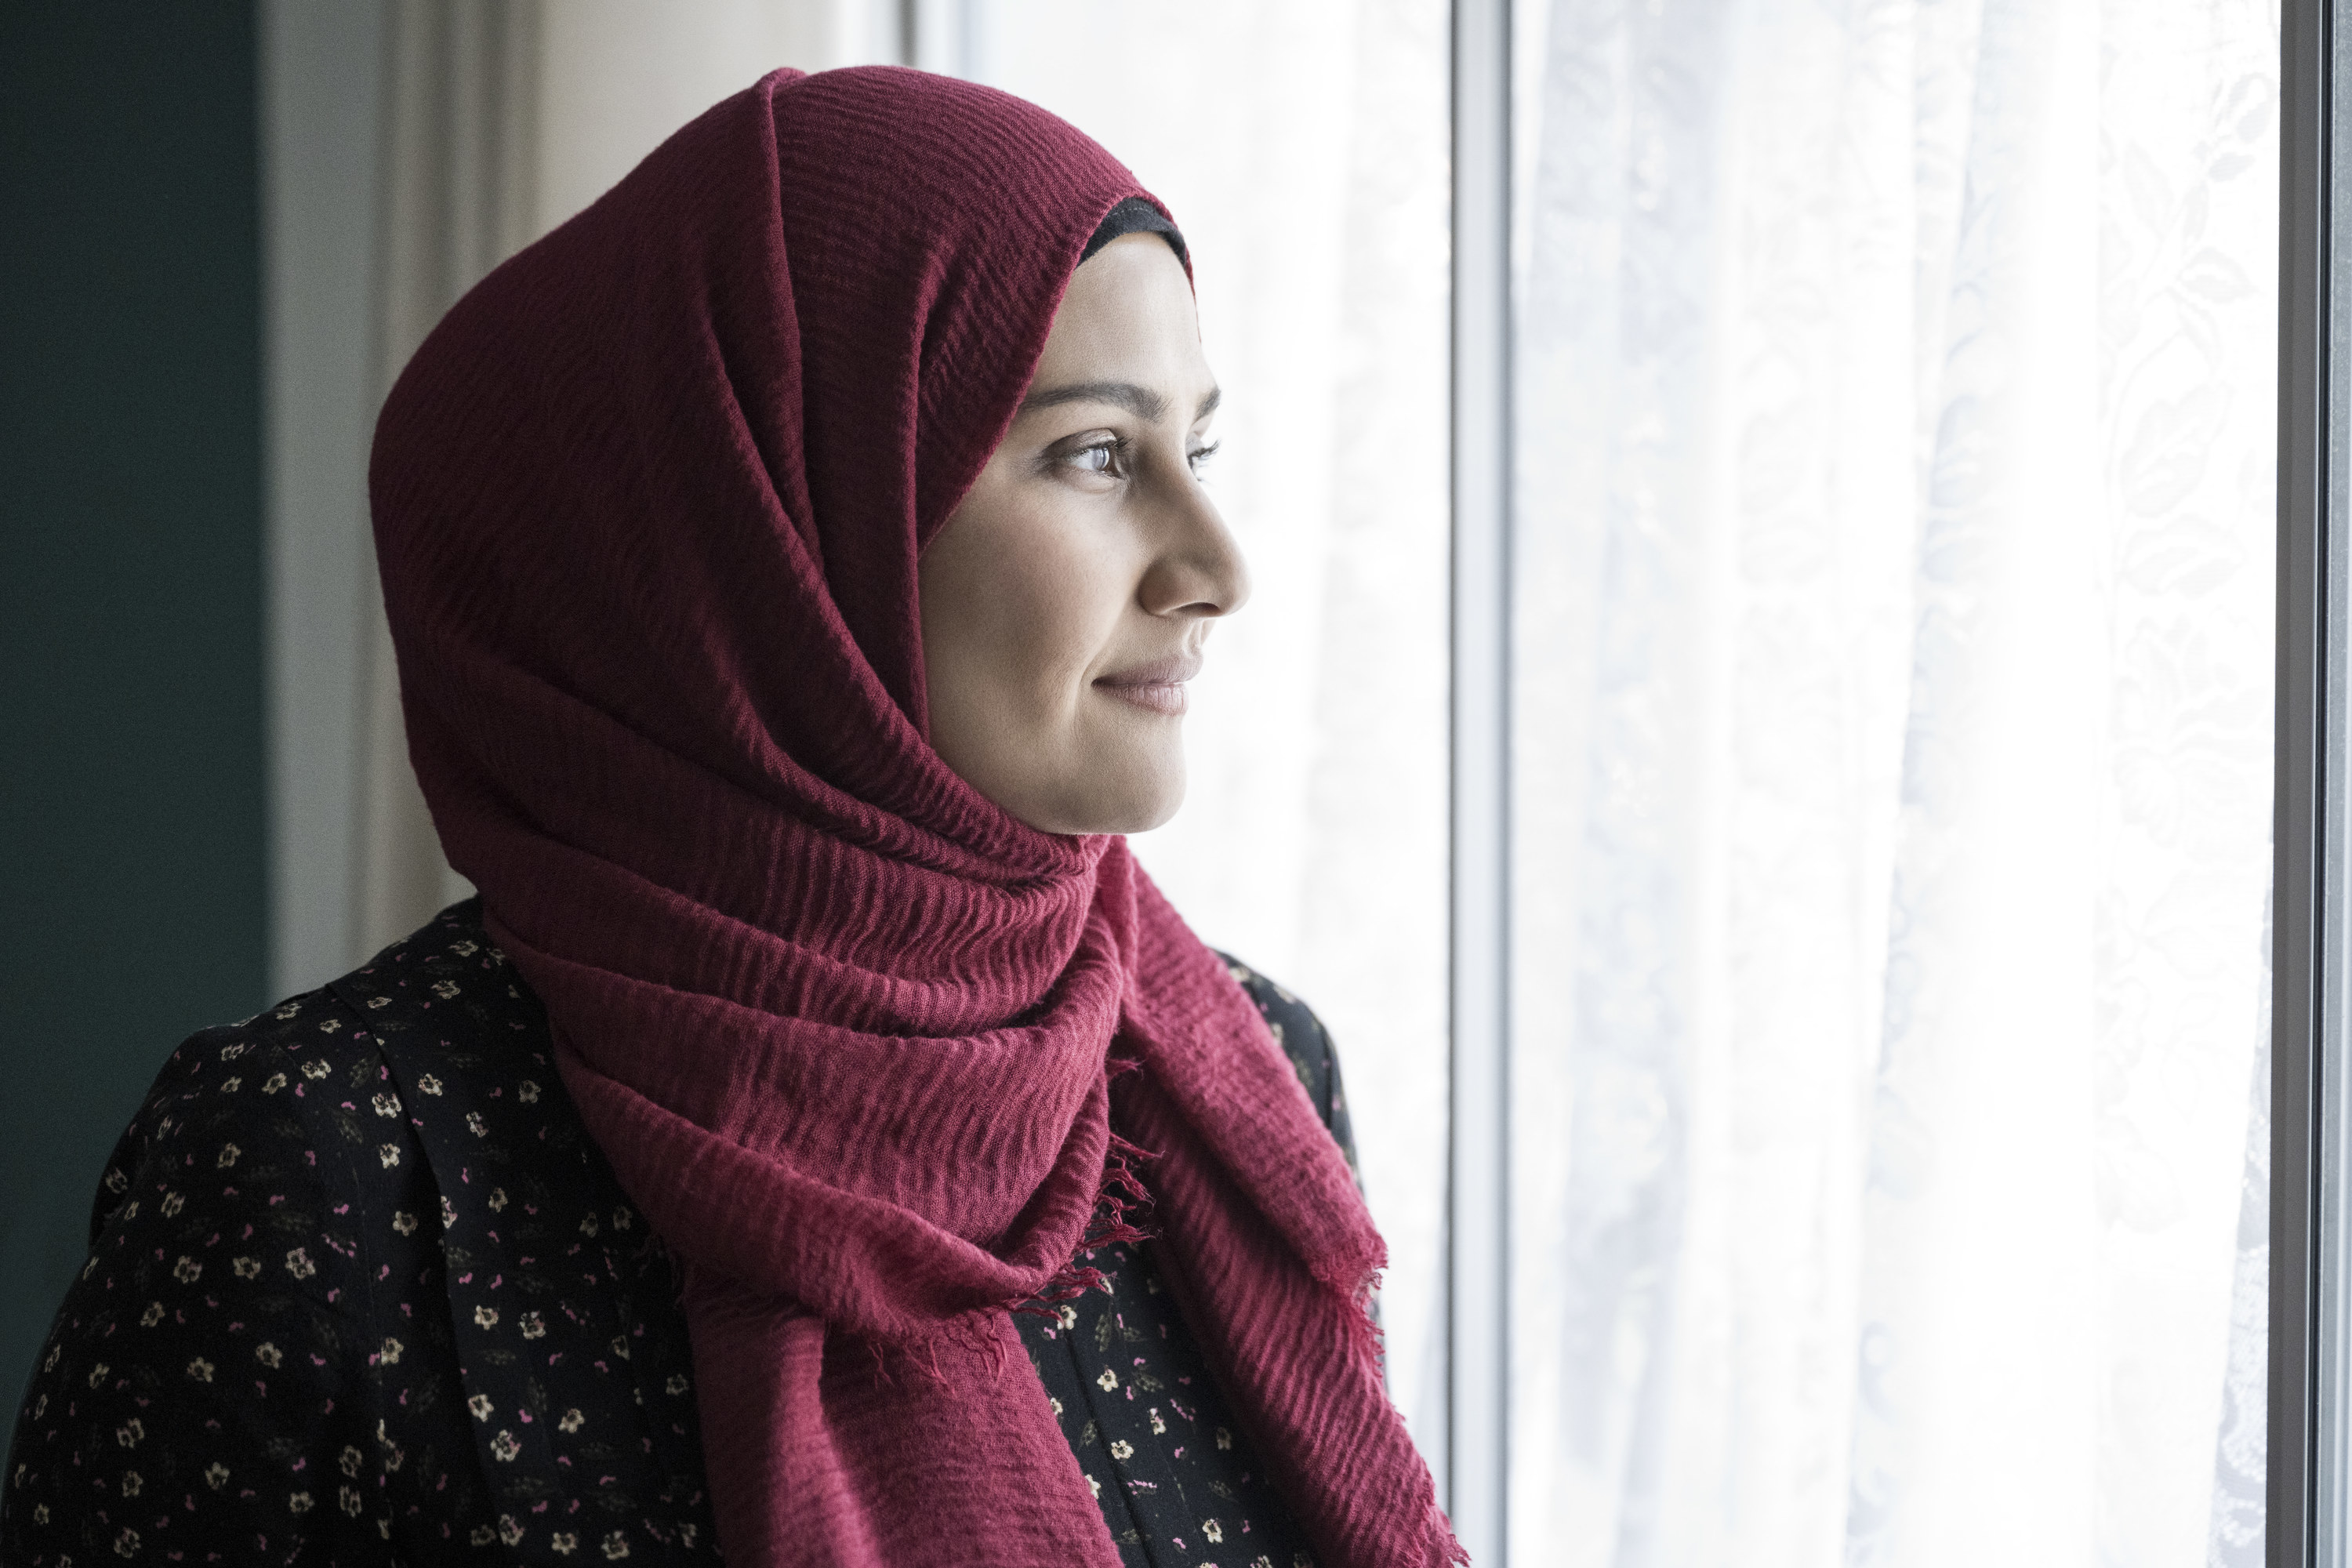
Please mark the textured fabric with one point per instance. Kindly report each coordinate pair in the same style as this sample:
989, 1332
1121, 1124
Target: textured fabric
649, 504
362, 1290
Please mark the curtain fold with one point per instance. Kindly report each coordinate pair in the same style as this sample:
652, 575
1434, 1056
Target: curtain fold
1894, 683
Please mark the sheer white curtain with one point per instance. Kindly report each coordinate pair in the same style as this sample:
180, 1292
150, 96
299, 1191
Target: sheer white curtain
1894, 712
1302, 144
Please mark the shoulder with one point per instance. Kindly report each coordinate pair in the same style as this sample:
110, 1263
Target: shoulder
1304, 1041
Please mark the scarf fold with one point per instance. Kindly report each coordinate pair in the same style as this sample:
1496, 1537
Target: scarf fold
649, 504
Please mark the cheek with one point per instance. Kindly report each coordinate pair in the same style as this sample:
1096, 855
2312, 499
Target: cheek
1038, 599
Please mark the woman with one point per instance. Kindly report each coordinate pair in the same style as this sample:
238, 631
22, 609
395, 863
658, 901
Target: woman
795, 564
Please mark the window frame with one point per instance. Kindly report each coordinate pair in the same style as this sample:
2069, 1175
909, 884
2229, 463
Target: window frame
2305, 1482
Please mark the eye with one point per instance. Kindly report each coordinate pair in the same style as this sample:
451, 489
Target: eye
1098, 457
1199, 456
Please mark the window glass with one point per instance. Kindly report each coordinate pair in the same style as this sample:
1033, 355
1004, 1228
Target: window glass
1894, 597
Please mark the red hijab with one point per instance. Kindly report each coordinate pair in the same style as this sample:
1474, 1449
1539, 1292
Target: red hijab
649, 503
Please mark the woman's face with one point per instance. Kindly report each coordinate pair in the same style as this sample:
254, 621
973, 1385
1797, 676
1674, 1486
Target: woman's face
1065, 602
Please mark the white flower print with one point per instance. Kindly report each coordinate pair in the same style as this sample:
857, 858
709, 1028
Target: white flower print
486, 1316
273, 1083
229, 1156
483, 1535
130, 1433
131, 1483
314, 1070
1158, 1426
527, 1092
349, 1461
201, 1370
379, 1002
1094, 1486
151, 1316
298, 1264
231, 1085
465, 949
1224, 1438
480, 1405
621, 1219
173, 1203
449, 1213
1121, 1448
97, 1374
474, 1124
298, 1502
445, 989
389, 1154
565, 1543
186, 1270
1107, 1380
505, 1445
1069, 1317
350, 1500
126, 1543
508, 1530
245, 1268
215, 1475
588, 1225
116, 1182
616, 1546
572, 1421
428, 1084
403, 1222
497, 1199
1213, 1530
677, 1384
534, 1326
268, 1355
386, 1104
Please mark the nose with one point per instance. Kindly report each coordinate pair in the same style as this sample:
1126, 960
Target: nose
1197, 570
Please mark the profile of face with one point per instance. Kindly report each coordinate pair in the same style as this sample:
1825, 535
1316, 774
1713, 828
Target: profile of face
1065, 603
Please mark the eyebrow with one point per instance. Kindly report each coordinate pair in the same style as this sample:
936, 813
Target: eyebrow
1140, 401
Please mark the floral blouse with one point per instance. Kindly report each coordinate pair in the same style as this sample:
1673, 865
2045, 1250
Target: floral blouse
362, 1290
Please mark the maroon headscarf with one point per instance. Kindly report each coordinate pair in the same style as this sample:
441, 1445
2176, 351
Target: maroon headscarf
649, 503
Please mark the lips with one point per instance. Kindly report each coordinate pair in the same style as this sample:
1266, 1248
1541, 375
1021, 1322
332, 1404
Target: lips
1157, 685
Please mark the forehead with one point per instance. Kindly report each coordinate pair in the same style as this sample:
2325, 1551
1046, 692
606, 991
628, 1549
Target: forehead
1127, 315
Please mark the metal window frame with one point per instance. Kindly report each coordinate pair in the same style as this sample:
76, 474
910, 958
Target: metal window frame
2305, 1480
1471, 1458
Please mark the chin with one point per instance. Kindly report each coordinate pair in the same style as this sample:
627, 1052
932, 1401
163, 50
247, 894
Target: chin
1111, 801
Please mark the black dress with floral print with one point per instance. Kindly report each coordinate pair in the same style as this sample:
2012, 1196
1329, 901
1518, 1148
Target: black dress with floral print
362, 1290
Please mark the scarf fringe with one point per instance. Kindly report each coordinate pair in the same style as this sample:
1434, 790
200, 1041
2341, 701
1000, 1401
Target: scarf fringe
1121, 1191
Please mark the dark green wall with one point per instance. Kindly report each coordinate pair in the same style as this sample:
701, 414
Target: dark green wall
131, 850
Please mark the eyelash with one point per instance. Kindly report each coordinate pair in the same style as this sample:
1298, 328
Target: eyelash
1120, 449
